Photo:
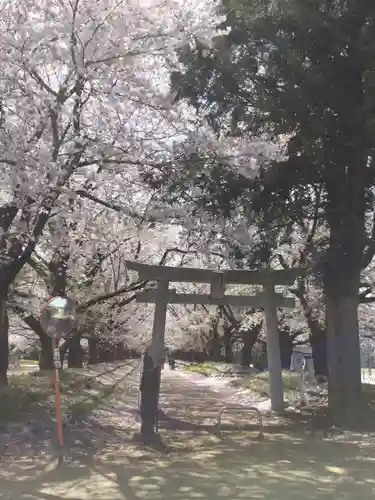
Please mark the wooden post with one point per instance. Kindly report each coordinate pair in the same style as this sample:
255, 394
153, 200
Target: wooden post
302, 391
273, 349
56, 383
152, 363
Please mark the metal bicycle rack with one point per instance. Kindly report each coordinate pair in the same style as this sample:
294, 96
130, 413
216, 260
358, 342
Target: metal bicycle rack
242, 408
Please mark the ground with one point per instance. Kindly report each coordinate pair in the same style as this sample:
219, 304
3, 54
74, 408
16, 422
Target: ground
256, 381
292, 461
30, 392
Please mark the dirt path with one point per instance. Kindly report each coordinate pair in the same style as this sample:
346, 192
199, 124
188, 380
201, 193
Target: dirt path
189, 401
195, 464
220, 386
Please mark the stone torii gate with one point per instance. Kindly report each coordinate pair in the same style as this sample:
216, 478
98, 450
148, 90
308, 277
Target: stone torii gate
162, 296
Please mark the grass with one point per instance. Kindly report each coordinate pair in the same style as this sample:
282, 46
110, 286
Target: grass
28, 362
31, 396
206, 369
87, 403
259, 383
255, 382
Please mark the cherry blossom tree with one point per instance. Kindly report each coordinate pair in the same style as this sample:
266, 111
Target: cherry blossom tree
82, 95
96, 277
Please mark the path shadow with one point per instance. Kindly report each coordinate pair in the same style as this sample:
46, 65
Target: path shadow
282, 467
105, 464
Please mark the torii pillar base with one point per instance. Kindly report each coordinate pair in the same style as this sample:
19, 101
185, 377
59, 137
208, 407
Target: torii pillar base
147, 439
150, 387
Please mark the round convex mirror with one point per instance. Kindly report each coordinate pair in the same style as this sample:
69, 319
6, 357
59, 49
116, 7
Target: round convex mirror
58, 317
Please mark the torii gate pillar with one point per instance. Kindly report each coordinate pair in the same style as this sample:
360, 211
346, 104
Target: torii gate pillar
153, 358
276, 385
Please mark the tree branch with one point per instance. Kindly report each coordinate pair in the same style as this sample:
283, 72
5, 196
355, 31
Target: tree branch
107, 296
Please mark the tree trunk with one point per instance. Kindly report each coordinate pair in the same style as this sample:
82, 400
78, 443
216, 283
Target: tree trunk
46, 355
286, 348
121, 352
228, 353
346, 210
259, 357
246, 350
93, 351
75, 352
4, 341
213, 346
249, 339
318, 334
344, 381
216, 349
318, 341
63, 350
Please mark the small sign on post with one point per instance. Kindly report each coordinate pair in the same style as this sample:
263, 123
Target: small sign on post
301, 362
57, 320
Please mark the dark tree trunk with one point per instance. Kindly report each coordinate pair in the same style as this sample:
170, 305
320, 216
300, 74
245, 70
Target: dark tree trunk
46, 355
286, 348
228, 353
64, 347
246, 351
150, 386
75, 352
4, 341
105, 351
260, 356
342, 272
344, 381
318, 334
341, 281
121, 353
58, 268
93, 351
213, 347
249, 339
216, 349
318, 340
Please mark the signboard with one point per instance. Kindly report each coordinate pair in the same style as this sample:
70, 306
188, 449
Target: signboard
301, 358
302, 362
